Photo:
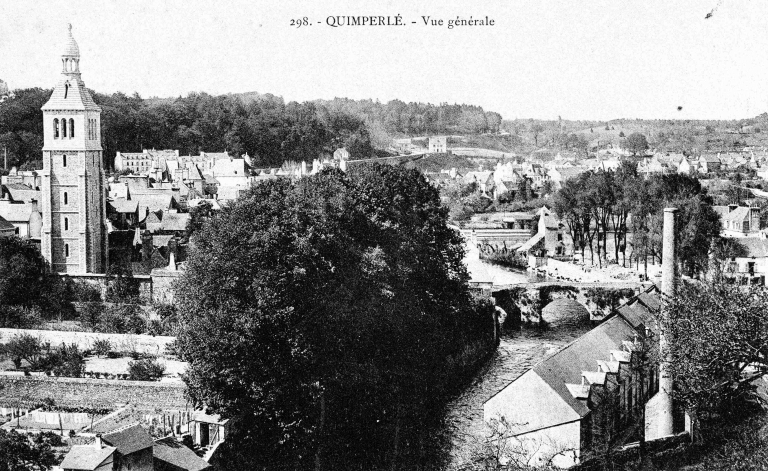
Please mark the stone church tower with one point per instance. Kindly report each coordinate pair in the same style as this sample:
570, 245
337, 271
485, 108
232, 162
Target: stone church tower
74, 238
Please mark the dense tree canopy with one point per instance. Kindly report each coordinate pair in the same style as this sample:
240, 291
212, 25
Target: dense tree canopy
328, 315
23, 452
621, 203
264, 126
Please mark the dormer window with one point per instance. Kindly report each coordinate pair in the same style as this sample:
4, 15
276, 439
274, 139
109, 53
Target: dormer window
56, 128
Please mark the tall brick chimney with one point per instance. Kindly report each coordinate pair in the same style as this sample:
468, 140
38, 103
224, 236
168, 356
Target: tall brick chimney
668, 290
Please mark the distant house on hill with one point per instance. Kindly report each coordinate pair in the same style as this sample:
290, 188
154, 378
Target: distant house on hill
685, 167
563, 174
438, 145
709, 163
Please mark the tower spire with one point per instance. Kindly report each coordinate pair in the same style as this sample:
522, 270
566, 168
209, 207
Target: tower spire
70, 57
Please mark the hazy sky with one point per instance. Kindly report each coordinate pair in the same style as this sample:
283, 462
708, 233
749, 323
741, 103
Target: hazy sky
577, 59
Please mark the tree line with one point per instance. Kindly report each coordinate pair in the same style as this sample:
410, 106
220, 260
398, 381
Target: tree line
629, 209
264, 126
331, 316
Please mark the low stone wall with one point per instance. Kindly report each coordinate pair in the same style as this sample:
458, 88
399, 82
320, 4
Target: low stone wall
30, 391
153, 345
155, 288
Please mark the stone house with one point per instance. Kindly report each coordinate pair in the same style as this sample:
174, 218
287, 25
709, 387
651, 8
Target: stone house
438, 145
709, 163
25, 217
739, 221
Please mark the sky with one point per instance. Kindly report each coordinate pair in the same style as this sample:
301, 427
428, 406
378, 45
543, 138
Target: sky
578, 59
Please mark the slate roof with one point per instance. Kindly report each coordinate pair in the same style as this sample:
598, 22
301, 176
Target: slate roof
568, 173
565, 367
159, 240
174, 221
5, 225
215, 155
16, 212
21, 192
757, 247
153, 222
170, 451
129, 440
86, 457
77, 96
124, 206
153, 199
739, 214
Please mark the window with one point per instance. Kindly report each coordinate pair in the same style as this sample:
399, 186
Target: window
64, 160
56, 128
64, 127
66, 250
16, 231
66, 199
66, 224
71, 127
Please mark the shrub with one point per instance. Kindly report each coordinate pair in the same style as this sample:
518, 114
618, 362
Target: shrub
122, 319
102, 347
84, 292
20, 317
169, 321
65, 361
26, 347
90, 315
147, 369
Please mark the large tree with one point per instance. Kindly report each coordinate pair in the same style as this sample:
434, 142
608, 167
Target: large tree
719, 335
23, 452
328, 315
636, 143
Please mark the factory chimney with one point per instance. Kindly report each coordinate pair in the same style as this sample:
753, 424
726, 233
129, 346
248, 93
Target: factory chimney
668, 291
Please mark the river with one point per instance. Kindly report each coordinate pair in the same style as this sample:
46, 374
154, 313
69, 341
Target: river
516, 354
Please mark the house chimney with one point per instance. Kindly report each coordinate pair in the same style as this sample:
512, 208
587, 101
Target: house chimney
97, 441
668, 290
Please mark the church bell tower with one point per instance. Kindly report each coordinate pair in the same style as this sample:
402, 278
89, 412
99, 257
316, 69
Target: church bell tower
74, 238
